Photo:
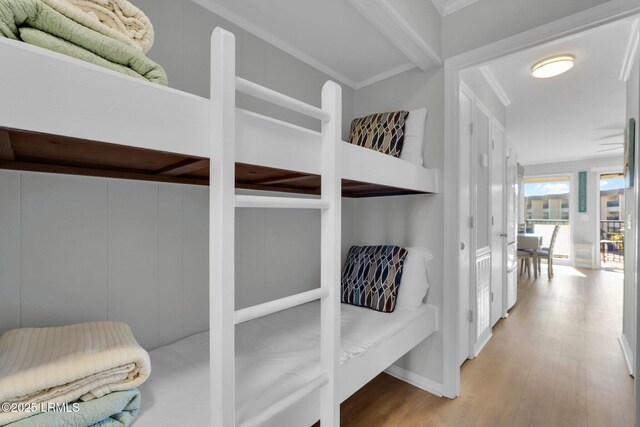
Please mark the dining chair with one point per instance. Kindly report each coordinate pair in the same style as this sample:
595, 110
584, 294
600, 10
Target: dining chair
524, 259
547, 253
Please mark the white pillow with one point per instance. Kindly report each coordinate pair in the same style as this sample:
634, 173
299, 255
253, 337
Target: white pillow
414, 283
414, 136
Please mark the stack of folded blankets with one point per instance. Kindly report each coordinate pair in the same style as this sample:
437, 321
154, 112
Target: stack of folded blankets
111, 33
71, 376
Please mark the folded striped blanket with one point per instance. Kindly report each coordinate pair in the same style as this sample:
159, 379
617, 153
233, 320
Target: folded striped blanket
117, 409
64, 364
36, 23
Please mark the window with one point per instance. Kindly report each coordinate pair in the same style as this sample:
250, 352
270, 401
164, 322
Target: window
549, 200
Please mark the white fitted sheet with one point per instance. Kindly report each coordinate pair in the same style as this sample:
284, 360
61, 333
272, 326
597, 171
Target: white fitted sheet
275, 355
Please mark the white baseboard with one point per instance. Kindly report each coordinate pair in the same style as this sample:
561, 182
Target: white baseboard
628, 354
481, 345
416, 380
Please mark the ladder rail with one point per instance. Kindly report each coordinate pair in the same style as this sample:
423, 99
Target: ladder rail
222, 230
331, 243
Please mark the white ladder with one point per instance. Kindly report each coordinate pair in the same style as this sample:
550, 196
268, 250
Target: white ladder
222, 204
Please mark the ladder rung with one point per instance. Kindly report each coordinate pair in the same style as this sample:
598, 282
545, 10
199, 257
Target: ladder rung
269, 95
280, 202
271, 307
283, 404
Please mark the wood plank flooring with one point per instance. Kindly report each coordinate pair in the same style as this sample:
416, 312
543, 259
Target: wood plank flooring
555, 361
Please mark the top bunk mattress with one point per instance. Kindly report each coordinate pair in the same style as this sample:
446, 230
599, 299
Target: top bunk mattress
275, 355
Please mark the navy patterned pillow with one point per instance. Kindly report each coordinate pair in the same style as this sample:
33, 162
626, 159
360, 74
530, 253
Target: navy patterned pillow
371, 276
383, 132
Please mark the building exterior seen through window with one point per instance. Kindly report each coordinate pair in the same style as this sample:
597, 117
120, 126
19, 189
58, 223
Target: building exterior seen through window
547, 204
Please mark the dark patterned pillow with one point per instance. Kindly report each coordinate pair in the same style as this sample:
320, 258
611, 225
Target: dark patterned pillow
371, 276
383, 132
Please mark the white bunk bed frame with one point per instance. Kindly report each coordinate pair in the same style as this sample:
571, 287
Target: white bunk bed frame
163, 119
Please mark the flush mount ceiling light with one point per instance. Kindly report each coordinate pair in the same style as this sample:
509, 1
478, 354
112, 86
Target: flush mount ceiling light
553, 66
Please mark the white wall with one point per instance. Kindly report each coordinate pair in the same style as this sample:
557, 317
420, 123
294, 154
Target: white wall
411, 220
585, 226
183, 43
488, 21
76, 249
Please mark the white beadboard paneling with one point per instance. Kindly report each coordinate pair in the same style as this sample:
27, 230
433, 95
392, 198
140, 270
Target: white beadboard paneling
133, 257
9, 250
195, 258
63, 269
169, 263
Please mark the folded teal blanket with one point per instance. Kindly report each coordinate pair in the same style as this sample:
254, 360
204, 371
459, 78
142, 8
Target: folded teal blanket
117, 409
34, 22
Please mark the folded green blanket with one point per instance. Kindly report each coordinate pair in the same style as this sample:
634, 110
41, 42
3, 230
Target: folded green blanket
35, 23
117, 409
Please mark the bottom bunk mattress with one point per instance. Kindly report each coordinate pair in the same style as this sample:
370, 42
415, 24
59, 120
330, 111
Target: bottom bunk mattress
275, 356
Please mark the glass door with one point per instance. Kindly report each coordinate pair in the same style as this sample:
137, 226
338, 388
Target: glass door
547, 204
612, 221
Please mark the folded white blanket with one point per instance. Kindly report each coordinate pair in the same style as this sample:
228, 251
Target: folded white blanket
117, 19
64, 364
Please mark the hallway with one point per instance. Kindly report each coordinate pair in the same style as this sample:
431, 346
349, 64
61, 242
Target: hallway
554, 361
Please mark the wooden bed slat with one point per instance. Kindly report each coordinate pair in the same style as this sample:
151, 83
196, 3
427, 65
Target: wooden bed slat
38, 152
185, 168
6, 150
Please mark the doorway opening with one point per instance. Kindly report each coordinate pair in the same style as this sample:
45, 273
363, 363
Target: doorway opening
547, 205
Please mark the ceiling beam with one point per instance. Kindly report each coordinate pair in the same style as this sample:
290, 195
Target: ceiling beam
389, 22
495, 85
632, 51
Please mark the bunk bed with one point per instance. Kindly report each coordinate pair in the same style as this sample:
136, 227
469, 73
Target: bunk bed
85, 120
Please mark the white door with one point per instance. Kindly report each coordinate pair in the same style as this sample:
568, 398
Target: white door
466, 119
481, 206
498, 225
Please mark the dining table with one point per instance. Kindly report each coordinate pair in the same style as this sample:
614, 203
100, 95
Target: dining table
533, 243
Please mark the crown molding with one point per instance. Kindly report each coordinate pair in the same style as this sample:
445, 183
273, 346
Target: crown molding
446, 7
387, 74
390, 23
632, 51
259, 32
455, 5
495, 85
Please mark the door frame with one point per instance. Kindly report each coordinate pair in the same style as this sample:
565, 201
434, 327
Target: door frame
587, 20
599, 171
495, 124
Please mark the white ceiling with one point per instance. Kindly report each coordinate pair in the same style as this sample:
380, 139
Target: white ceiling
357, 42
568, 117
330, 35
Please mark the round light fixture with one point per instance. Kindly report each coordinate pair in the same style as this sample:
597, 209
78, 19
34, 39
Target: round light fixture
552, 67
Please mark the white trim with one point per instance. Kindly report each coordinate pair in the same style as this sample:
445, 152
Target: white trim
628, 354
495, 85
446, 7
586, 20
238, 20
478, 348
383, 76
455, 5
415, 380
632, 51
397, 30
